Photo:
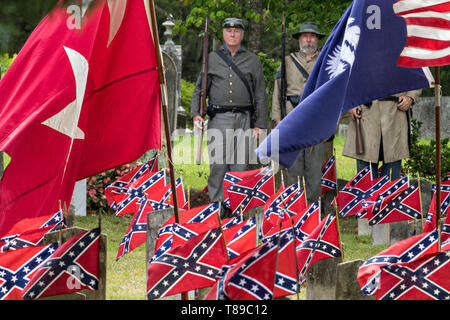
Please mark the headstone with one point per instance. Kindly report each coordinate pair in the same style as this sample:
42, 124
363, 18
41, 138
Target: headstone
171, 85
321, 279
85, 294
79, 198
174, 53
364, 229
425, 111
155, 220
347, 286
380, 234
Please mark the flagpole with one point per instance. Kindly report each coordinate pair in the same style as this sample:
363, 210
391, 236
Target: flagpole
295, 260
276, 259
437, 92
420, 199
162, 81
221, 230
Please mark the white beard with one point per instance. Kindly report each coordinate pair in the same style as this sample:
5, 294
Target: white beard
308, 48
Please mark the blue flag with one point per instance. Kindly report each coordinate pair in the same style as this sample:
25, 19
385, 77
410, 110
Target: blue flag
356, 65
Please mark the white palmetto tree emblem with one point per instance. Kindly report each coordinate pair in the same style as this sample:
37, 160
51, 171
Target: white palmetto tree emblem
343, 56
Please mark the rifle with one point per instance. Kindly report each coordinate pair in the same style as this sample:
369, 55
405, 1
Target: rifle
359, 140
202, 101
283, 84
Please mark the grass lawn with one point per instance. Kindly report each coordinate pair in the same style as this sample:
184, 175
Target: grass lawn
126, 277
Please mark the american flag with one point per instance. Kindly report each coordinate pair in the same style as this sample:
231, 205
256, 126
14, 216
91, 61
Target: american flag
358, 189
403, 251
280, 206
430, 223
127, 202
428, 32
187, 267
18, 266
400, 206
423, 279
136, 233
120, 185
329, 175
376, 200
75, 262
303, 223
321, 244
251, 192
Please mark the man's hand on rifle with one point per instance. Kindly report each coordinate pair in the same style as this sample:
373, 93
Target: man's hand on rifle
198, 122
356, 112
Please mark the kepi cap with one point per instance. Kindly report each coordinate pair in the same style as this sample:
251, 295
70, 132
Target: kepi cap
233, 23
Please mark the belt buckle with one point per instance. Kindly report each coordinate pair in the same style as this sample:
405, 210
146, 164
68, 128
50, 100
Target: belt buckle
234, 109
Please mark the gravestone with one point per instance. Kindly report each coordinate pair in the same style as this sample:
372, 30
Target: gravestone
85, 294
171, 85
173, 53
425, 110
321, 279
392, 233
347, 286
155, 220
79, 198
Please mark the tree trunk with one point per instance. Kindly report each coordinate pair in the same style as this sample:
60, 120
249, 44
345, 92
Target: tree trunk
254, 32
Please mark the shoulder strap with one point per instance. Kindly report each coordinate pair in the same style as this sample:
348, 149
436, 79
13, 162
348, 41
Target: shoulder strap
237, 70
300, 67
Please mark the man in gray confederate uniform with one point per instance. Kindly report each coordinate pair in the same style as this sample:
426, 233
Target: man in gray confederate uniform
237, 107
298, 68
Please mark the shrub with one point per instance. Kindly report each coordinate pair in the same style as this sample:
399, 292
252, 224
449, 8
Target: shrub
96, 185
422, 159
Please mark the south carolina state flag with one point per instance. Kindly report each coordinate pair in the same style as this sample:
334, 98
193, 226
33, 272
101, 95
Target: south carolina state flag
76, 102
358, 64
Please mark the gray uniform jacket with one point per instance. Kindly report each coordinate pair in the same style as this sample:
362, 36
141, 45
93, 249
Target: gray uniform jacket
226, 89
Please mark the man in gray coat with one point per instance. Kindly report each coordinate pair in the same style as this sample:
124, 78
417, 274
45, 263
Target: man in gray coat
237, 107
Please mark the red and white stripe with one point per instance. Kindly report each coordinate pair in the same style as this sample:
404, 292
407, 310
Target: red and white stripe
428, 32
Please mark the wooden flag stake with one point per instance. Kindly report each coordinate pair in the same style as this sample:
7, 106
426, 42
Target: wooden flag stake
221, 230
295, 261
276, 259
304, 190
420, 199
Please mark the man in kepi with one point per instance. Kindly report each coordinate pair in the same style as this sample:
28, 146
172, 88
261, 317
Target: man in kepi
237, 107
298, 68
